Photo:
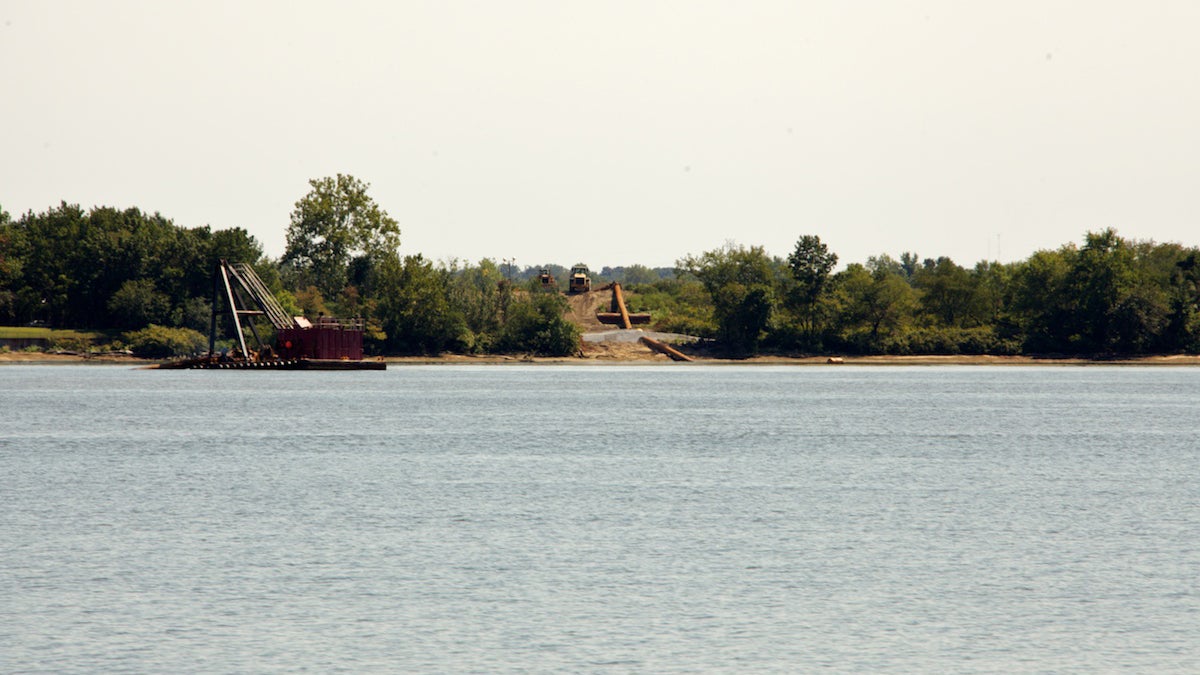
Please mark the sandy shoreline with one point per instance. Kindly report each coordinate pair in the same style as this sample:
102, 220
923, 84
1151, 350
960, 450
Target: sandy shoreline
634, 356
848, 361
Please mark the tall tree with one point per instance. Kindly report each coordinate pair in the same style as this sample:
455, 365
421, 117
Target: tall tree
1042, 304
1183, 330
1121, 305
332, 224
811, 263
53, 266
1100, 279
12, 254
481, 295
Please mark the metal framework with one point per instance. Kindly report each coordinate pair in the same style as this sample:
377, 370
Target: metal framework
240, 288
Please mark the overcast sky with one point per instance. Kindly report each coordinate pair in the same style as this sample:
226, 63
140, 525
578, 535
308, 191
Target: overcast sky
616, 132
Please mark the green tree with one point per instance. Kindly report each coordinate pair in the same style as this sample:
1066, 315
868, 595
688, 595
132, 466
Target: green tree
1119, 302
1100, 279
415, 313
336, 221
12, 259
1182, 332
811, 264
535, 325
993, 289
948, 293
51, 266
68, 264
481, 295
874, 304
138, 303
1042, 304
629, 275
310, 302
234, 244
741, 283
886, 264
909, 265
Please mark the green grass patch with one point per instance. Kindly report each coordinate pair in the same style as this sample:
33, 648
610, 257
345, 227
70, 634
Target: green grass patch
53, 334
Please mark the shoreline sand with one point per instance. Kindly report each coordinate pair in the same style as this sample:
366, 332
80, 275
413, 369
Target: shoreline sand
633, 355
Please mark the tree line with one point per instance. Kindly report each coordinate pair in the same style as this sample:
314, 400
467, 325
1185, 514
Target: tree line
1108, 296
122, 269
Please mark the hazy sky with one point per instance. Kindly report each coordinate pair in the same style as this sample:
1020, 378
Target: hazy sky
615, 132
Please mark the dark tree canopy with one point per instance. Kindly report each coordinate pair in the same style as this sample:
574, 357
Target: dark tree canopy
108, 267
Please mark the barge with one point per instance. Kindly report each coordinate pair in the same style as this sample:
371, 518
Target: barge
300, 344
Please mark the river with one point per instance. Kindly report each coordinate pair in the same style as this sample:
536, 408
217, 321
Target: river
610, 519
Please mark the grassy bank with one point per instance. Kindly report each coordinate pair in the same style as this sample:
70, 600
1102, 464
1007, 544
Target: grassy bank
48, 334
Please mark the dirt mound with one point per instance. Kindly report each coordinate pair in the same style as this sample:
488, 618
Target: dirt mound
583, 308
605, 342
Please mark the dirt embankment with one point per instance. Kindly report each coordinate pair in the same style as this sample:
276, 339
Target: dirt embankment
582, 308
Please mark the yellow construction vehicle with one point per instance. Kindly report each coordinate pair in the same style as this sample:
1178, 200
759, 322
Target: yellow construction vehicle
579, 282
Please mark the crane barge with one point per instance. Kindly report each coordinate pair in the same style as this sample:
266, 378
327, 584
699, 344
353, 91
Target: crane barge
300, 344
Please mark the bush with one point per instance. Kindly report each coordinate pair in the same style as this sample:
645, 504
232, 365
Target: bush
70, 344
788, 336
946, 341
675, 306
685, 325
159, 342
536, 325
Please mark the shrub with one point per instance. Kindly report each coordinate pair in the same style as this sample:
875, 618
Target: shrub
943, 341
70, 344
675, 306
158, 342
536, 325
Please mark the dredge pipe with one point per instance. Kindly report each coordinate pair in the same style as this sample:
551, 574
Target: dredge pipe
614, 318
663, 348
620, 298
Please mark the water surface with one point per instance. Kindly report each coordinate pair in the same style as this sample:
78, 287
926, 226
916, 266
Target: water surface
600, 519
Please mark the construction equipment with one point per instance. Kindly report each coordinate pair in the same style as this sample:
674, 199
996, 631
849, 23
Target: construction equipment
618, 314
579, 281
547, 280
330, 344
665, 349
